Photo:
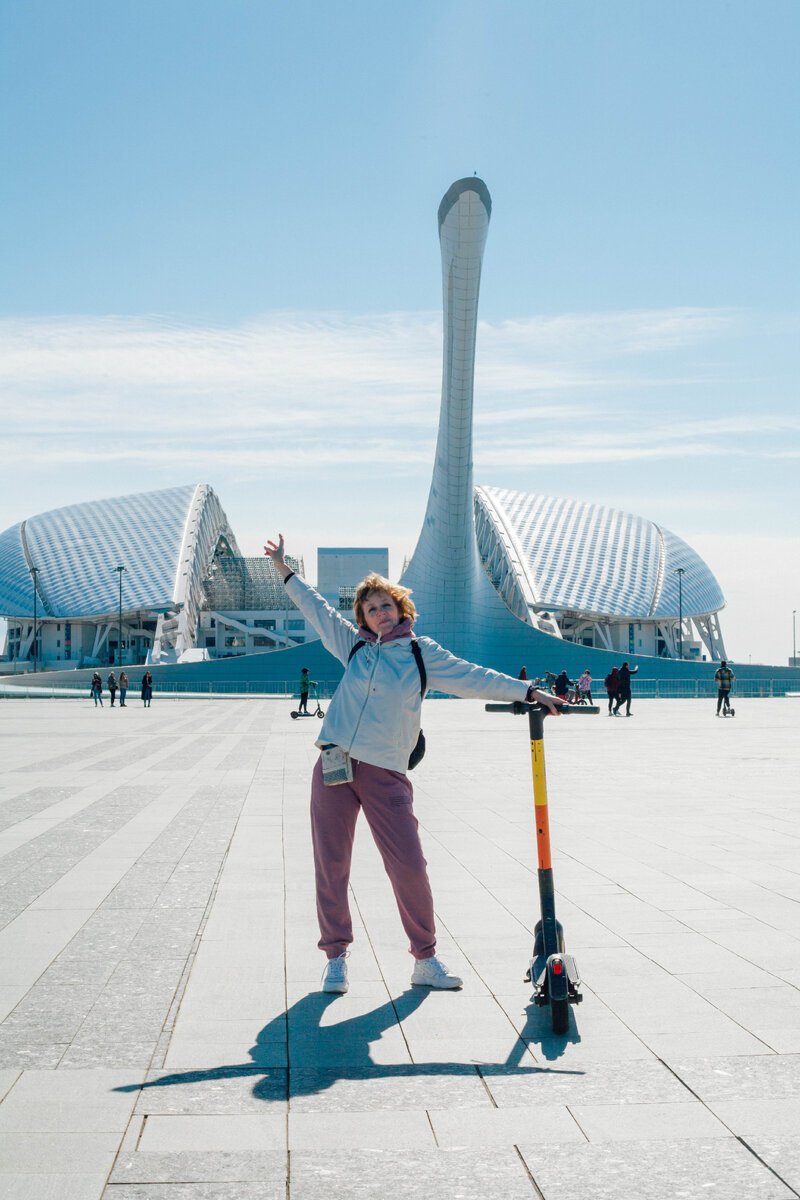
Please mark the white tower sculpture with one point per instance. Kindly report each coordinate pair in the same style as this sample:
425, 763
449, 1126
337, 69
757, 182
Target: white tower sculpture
457, 604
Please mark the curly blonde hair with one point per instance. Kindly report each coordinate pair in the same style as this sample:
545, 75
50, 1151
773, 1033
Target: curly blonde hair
377, 583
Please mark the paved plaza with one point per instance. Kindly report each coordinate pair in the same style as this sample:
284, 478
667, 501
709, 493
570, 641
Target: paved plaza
164, 1036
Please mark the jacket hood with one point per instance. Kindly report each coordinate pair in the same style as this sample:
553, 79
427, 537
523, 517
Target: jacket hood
401, 630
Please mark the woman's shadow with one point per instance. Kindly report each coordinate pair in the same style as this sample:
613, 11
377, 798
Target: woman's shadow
320, 1054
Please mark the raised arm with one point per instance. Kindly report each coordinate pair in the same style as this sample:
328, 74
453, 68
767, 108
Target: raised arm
337, 634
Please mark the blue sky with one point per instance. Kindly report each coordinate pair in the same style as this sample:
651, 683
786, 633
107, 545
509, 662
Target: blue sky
220, 264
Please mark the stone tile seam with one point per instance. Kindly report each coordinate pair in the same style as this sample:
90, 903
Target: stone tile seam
764, 1163
539, 1193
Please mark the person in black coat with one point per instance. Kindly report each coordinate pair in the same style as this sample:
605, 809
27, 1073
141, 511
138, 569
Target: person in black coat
624, 693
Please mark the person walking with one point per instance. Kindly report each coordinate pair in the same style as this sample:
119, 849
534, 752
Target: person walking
147, 689
123, 688
585, 686
724, 677
370, 730
624, 693
97, 689
112, 686
305, 684
611, 684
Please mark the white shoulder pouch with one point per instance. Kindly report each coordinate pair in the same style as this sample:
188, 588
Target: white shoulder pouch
337, 766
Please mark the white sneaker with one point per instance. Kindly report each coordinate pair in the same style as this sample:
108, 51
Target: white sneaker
431, 972
334, 977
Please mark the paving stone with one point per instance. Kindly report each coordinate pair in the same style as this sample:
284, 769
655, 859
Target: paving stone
455, 1085
206, 1166
247, 1131
56, 1186
641, 1082
218, 1091
765, 1077
408, 1175
663, 1170
258, 1190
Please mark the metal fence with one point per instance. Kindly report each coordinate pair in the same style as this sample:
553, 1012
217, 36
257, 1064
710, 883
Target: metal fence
643, 689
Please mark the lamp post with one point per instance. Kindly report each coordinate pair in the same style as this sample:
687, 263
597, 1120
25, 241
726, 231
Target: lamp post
794, 637
120, 570
679, 571
34, 572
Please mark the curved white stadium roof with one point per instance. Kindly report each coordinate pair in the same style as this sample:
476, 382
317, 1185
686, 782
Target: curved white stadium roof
164, 539
569, 554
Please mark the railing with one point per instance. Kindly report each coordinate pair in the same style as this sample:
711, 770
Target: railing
643, 689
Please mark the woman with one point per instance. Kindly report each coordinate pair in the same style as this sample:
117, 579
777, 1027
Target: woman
371, 727
97, 689
147, 689
585, 685
123, 688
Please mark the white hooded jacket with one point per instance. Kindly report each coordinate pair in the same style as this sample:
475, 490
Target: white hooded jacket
375, 711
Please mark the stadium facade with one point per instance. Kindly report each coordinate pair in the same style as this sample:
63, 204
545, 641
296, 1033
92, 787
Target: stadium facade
503, 577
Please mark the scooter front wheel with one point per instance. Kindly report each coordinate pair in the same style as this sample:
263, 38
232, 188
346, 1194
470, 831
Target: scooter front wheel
294, 715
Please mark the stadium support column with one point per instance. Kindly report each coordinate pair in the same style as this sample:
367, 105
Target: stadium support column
451, 590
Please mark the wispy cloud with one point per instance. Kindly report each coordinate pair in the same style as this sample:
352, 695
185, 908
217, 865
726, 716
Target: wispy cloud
111, 390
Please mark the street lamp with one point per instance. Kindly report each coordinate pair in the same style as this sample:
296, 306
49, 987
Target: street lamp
794, 637
120, 570
34, 572
679, 571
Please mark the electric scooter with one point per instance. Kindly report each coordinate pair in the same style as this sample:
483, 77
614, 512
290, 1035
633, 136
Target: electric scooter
553, 972
318, 712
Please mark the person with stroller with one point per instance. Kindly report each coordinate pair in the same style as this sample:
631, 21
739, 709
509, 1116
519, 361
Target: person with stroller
724, 677
370, 730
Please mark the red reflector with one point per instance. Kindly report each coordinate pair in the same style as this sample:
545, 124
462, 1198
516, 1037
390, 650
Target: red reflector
558, 967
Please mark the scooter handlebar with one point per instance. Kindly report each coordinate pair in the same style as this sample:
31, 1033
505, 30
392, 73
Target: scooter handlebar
521, 706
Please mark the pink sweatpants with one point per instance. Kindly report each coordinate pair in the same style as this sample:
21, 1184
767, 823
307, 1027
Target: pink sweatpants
387, 799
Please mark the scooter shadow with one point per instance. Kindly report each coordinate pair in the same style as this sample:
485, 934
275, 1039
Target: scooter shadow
319, 1055
538, 1033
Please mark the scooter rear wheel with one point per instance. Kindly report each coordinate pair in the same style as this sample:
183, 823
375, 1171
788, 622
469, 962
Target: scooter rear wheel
559, 1015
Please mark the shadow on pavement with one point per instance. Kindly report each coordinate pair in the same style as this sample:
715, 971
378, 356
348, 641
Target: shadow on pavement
319, 1054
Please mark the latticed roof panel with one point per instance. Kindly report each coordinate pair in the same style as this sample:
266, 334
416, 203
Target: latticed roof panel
595, 559
236, 584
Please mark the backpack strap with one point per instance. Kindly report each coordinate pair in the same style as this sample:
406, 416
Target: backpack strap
415, 650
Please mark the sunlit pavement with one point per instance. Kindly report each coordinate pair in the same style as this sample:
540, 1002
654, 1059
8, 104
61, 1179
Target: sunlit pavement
164, 1034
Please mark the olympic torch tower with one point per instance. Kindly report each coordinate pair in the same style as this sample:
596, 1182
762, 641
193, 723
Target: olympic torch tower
457, 604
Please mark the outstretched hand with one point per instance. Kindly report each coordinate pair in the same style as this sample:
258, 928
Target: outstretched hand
546, 699
275, 551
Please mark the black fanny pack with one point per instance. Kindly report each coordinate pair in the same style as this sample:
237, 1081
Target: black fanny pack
418, 753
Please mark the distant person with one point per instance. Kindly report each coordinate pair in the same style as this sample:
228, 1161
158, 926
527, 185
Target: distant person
112, 686
97, 690
611, 684
147, 689
305, 684
624, 693
561, 685
523, 673
585, 686
123, 688
724, 677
